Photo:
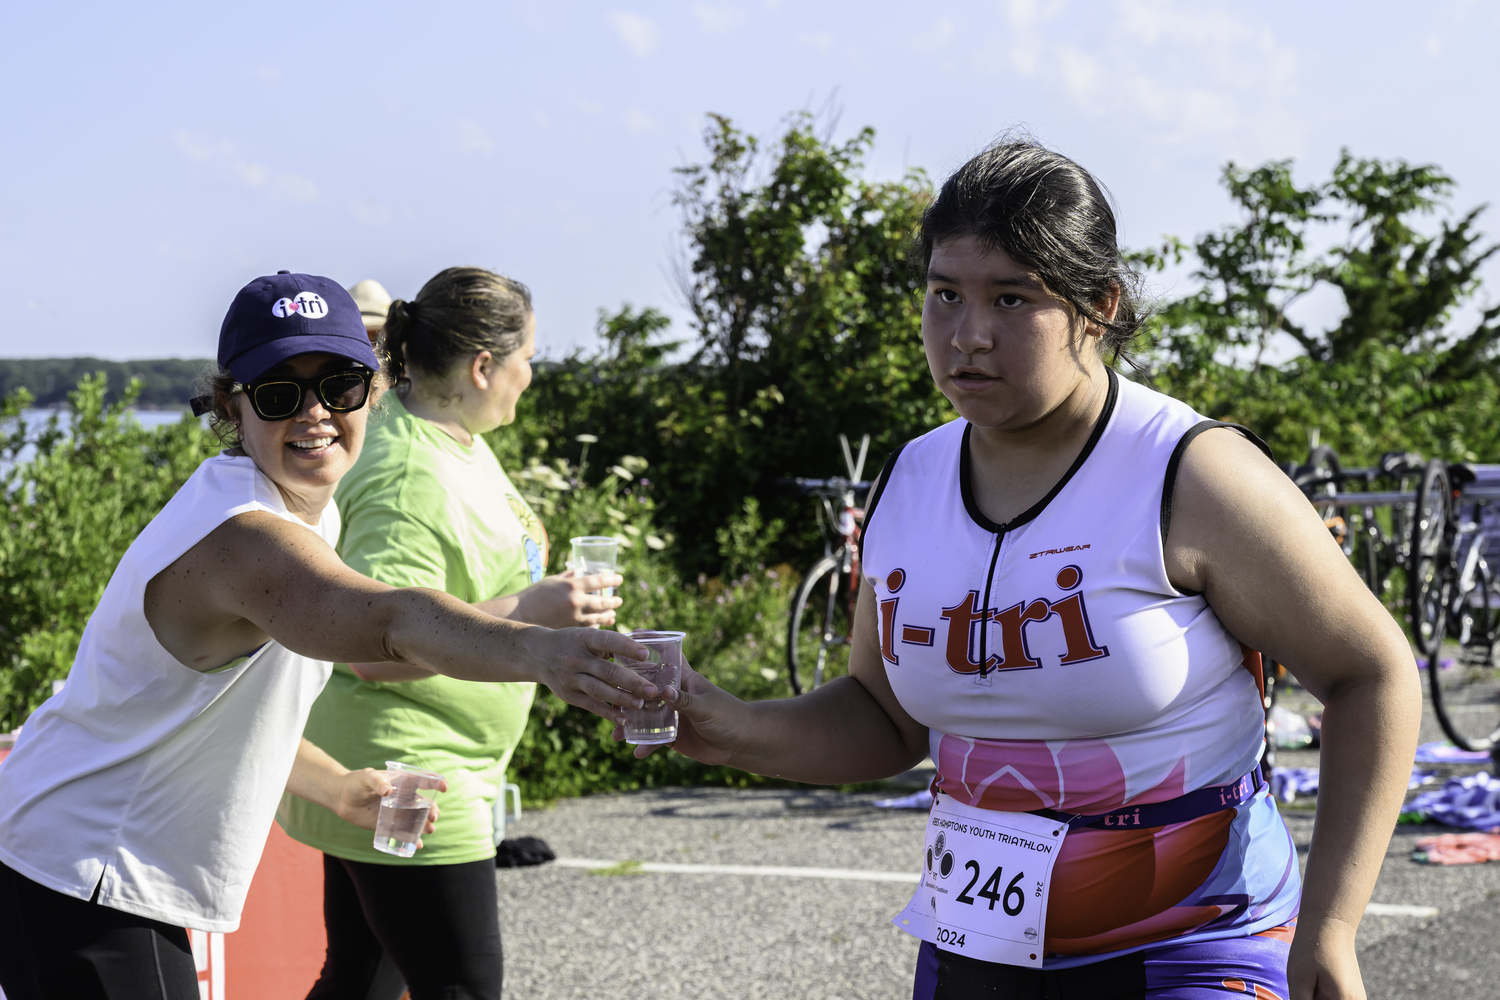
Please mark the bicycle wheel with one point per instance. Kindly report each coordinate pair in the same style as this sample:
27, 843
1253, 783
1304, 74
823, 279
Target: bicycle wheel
1466, 696
1322, 466
817, 641
1371, 564
1430, 561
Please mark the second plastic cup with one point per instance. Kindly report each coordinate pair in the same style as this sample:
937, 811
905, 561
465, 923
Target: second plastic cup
403, 813
654, 723
595, 554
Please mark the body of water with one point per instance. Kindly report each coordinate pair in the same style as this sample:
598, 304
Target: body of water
146, 418
36, 420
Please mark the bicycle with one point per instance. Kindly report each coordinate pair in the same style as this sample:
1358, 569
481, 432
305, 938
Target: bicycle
1437, 538
820, 627
1453, 595
1357, 528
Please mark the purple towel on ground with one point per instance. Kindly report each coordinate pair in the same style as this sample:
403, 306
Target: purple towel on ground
1443, 752
1469, 803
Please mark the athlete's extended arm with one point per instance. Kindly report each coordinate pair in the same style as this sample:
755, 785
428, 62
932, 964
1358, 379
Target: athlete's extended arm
562, 601
257, 577
1245, 536
850, 730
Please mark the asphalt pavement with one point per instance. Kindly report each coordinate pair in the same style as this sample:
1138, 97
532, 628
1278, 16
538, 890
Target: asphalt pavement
601, 930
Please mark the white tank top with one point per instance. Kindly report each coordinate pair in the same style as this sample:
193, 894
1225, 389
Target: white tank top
1061, 625
151, 781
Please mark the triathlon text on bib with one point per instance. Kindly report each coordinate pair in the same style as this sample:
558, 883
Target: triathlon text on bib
984, 883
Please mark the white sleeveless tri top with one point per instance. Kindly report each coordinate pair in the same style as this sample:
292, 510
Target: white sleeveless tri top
1057, 668
148, 781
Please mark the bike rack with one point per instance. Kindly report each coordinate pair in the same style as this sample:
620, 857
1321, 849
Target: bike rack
1389, 498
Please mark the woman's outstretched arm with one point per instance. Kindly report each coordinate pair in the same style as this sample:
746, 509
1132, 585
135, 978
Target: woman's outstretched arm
258, 577
564, 601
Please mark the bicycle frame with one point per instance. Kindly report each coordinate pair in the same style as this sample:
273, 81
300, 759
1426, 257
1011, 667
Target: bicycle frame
839, 522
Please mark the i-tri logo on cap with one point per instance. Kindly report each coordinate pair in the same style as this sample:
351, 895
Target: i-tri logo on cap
308, 304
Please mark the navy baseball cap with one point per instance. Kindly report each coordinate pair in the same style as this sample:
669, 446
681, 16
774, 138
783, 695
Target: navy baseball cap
283, 315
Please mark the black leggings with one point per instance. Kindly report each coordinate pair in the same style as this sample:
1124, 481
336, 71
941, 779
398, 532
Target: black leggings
57, 947
432, 928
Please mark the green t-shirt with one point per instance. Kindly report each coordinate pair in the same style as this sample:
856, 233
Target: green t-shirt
421, 510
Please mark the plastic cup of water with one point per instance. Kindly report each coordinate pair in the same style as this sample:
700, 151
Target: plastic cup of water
655, 723
403, 813
595, 554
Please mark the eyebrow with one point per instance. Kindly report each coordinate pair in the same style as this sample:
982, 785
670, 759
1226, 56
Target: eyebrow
1021, 282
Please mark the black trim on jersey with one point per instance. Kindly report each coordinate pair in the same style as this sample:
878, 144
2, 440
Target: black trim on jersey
881, 479
965, 481
984, 623
1169, 484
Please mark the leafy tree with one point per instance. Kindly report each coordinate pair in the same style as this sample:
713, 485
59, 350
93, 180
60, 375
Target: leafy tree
1393, 373
67, 514
806, 324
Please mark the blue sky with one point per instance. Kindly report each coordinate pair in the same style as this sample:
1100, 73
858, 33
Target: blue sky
155, 159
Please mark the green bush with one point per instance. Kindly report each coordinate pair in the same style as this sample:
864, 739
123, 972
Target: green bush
806, 325
70, 512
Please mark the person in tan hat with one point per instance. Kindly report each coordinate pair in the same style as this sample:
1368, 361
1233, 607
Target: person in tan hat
373, 301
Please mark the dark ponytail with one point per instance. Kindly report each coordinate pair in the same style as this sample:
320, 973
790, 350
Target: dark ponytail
458, 313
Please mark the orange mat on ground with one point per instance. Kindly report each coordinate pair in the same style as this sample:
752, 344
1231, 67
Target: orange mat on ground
278, 950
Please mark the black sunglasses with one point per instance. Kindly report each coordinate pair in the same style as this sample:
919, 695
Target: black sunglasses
281, 398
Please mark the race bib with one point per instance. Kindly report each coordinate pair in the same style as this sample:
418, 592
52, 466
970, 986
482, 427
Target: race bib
984, 883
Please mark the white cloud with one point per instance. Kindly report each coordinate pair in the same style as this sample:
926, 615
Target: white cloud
821, 40
639, 33
638, 122
369, 212
540, 117
1021, 13
175, 248
226, 159
1080, 73
935, 36
1169, 70
719, 18
595, 108
473, 138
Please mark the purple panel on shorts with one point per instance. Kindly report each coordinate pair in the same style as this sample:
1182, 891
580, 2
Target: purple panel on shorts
1254, 966
1206, 970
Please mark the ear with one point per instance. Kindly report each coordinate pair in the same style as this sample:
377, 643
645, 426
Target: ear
1110, 304
479, 370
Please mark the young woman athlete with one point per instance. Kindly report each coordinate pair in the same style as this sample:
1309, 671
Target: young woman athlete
136, 803
1062, 593
427, 505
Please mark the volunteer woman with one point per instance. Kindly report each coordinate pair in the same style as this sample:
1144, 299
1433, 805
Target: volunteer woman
1057, 589
136, 803
427, 505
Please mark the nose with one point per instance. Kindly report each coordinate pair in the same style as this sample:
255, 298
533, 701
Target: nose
971, 334
313, 411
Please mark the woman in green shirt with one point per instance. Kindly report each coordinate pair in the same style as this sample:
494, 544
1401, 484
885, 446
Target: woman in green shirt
428, 505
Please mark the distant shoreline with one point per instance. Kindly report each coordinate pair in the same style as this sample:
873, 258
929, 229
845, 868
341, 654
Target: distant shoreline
166, 383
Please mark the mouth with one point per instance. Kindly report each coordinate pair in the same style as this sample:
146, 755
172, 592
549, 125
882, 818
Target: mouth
313, 447
969, 378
